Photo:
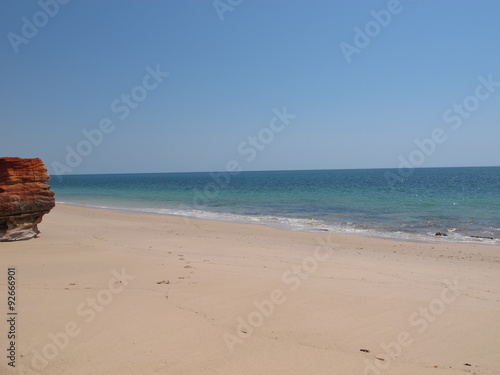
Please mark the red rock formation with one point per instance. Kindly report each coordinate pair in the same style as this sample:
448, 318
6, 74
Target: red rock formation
24, 197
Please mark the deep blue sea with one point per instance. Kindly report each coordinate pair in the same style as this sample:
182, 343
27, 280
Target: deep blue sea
464, 203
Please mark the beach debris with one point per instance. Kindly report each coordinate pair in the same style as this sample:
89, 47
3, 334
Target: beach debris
436, 366
467, 364
24, 197
482, 237
441, 234
163, 282
364, 350
380, 359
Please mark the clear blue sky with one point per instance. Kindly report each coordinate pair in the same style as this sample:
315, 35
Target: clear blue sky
227, 76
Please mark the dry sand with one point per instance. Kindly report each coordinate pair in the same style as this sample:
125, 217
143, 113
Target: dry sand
108, 292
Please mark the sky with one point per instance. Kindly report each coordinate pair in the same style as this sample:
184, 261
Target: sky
129, 86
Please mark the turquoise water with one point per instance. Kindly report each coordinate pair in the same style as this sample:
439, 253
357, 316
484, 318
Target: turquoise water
462, 202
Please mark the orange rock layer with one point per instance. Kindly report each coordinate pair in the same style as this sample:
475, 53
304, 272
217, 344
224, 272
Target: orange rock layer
24, 197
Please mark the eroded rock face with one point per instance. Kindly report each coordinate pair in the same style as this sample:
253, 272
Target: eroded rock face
24, 197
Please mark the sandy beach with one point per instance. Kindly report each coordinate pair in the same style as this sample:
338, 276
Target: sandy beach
110, 292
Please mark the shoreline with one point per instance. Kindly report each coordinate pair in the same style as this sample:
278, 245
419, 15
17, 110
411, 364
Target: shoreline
139, 293
390, 236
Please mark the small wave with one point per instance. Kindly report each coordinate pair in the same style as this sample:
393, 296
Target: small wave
306, 224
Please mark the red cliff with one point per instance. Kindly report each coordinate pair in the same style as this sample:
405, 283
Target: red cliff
24, 197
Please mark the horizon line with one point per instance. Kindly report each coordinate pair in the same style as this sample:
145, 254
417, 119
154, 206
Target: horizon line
270, 170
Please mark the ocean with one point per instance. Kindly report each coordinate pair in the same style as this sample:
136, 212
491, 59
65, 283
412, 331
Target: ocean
463, 203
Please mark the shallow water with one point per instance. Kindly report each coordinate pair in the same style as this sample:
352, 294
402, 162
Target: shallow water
461, 202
